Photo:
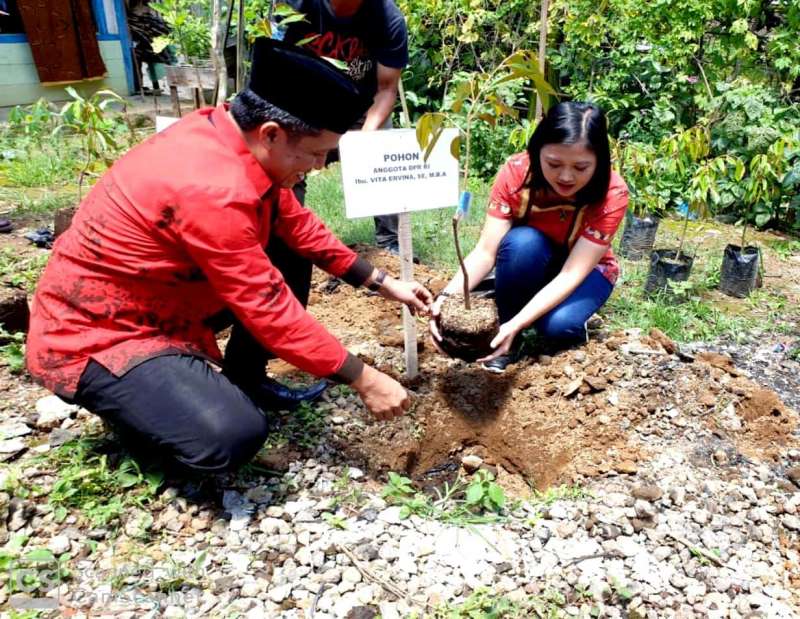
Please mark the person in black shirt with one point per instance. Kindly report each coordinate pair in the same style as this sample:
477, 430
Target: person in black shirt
371, 37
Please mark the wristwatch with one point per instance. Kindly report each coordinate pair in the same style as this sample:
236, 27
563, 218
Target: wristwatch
378, 282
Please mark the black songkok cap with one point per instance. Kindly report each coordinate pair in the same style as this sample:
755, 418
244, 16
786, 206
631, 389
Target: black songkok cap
306, 86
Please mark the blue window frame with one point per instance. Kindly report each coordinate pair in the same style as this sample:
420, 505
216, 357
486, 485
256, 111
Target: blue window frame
103, 34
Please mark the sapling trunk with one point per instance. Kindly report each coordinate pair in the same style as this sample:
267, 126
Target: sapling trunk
461, 263
744, 233
683, 235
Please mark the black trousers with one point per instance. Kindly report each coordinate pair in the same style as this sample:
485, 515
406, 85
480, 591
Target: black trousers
179, 409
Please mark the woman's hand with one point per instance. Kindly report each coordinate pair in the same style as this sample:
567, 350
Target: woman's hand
412, 294
433, 322
503, 341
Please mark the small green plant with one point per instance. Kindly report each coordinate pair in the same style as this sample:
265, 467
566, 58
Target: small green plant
622, 592
30, 570
483, 494
88, 482
36, 121
337, 522
12, 350
346, 493
479, 96
478, 501
88, 118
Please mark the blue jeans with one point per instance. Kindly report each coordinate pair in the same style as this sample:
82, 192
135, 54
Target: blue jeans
526, 262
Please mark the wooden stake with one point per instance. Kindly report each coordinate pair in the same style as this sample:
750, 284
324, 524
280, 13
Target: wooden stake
407, 265
407, 274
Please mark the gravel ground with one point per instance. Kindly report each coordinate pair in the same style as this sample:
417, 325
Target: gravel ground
695, 529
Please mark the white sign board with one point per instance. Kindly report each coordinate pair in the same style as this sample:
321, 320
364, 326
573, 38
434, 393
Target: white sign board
383, 172
162, 122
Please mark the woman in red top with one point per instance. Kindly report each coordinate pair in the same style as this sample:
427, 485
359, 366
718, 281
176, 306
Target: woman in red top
553, 211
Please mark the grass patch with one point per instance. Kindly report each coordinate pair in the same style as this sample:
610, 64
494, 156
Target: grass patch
40, 169
547, 497
22, 271
784, 248
102, 492
46, 204
703, 316
303, 428
431, 230
483, 604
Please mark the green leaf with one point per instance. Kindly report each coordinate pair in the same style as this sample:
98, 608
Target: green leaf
474, 494
159, 44
455, 147
40, 555
497, 495
60, 514
307, 40
339, 64
291, 19
127, 480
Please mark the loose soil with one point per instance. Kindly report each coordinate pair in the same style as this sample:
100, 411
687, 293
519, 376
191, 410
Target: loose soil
547, 420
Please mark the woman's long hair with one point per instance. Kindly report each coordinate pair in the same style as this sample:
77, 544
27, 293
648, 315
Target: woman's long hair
572, 122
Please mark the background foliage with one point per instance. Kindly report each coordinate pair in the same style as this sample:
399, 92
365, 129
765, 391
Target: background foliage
665, 73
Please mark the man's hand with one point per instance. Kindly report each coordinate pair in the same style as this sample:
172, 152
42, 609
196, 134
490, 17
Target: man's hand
412, 294
382, 395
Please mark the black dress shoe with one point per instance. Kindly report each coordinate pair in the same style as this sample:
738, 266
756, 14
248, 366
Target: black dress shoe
6, 226
269, 394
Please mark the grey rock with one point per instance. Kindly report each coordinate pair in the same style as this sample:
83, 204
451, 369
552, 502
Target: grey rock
644, 509
52, 410
279, 593
646, 492
791, 522
13, 429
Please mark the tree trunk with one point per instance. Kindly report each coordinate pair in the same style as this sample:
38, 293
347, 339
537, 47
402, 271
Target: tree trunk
218, 50
542, 52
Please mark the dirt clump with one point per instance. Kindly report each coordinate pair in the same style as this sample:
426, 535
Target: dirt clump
467, 333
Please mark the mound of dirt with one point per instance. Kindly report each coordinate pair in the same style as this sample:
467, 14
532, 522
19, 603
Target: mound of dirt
547, 419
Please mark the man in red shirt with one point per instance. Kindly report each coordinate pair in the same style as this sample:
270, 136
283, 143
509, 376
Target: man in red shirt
172, 237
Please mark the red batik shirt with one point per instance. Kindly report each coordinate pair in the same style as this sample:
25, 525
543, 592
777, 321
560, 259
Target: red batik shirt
598, 223
172, 234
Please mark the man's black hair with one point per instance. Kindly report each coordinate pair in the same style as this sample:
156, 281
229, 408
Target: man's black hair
249, 111
573, 123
